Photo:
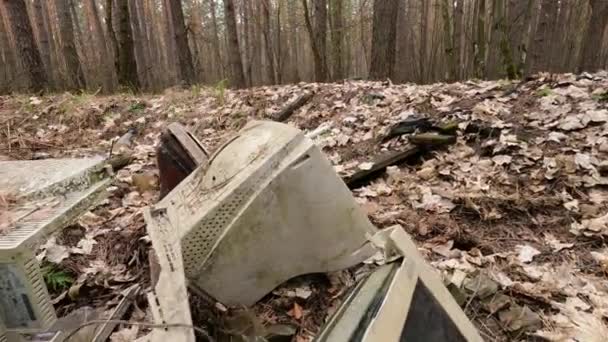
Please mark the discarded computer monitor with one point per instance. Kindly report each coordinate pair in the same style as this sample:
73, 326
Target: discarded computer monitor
267, 207
401, 301
45, 195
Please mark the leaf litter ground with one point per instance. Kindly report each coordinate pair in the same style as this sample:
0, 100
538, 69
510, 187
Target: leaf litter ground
514, 214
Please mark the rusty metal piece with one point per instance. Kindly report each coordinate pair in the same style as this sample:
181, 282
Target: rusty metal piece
178, 154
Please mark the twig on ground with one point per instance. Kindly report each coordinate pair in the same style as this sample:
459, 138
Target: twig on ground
141, 324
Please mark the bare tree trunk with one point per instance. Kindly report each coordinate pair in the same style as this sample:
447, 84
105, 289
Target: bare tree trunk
23, 34
318, 37
215, 41
43, 34
270, 70
138, 40
591, 56
7, 55
109, 7
103, 59
234, 54
541, 42
384, 39
337, 39
68, 45
447, 9
184, 56
127, 65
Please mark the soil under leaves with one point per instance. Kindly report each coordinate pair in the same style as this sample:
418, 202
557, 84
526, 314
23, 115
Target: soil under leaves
514, 214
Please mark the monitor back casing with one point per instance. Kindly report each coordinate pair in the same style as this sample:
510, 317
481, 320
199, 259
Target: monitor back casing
266, 208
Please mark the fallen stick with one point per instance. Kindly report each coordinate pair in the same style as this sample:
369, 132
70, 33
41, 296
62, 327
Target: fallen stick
292, 106
381, 163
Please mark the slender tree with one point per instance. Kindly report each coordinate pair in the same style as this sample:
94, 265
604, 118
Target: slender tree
337, 38
237, 77
68, 45
184, 56
317, 32
21, 28
384, 39
591, 56
127, 64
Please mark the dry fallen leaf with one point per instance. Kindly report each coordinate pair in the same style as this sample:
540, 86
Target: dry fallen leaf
296, 312
526, 253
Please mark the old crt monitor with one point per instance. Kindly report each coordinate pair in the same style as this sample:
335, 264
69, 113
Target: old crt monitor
46, 196
267, 207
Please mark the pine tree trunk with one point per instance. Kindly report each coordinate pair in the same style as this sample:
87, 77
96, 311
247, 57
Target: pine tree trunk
104, 64
127, 64
591, 56
541, 46
138, 40
337, 39
384, 39
184, 56
42, 33
318, 37
109, 7
215, 41
27, 51
7, 52
270, 70
68, 45
237, 78
169, 38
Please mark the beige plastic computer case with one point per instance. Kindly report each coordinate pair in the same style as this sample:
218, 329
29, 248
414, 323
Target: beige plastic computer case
268, 207
50, 194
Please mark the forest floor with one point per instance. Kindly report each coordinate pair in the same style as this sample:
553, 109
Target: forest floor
514, 214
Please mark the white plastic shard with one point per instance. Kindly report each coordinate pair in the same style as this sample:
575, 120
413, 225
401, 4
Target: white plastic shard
401, 301
47, 195
268, 207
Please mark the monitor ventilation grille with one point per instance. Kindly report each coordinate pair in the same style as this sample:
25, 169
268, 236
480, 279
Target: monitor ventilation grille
198, 244
39, 292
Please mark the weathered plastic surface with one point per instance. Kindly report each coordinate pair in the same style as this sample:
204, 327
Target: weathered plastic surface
36, 177
268, 207
50, 194
404, 303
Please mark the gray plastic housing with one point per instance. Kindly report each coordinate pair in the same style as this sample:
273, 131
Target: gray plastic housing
268, 207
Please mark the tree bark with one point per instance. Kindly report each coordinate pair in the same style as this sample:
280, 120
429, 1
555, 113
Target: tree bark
318, 37
68, 45
384, 39
109, 7
271, 71
539, 50
96, 29
184, 56
127, 64
139, 41
337, 39
42, 32
27, 51
237, 78
215, 41
591, 56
